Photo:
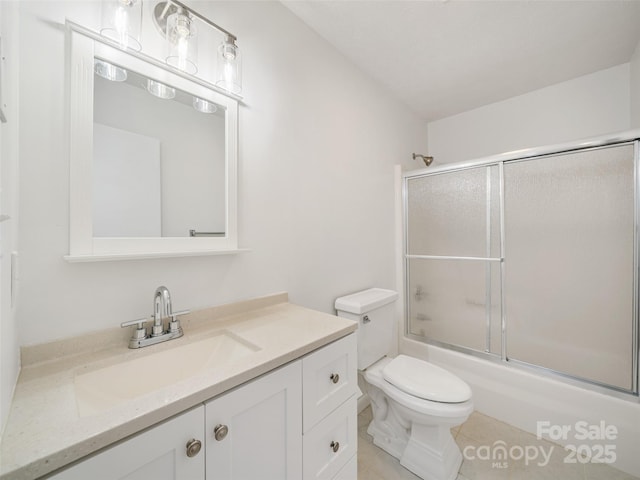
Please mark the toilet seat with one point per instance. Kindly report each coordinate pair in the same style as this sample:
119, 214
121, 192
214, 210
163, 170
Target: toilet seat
374, 376
425, 380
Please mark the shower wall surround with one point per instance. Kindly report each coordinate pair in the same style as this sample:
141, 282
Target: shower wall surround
530, 260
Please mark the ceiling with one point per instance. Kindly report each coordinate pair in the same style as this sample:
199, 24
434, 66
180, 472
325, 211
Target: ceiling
444, 57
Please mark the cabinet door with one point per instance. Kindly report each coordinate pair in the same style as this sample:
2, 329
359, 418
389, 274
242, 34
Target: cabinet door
263, 424
159, 453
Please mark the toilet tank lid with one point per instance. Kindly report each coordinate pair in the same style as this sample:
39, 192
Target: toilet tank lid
365, 301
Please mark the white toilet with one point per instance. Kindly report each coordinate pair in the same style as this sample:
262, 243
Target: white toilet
414, 403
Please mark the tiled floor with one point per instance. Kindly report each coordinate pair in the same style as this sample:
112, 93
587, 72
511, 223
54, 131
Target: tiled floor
480, 430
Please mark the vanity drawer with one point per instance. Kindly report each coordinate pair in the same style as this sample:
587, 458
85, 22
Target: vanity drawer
330, 377
349, 471
331, 444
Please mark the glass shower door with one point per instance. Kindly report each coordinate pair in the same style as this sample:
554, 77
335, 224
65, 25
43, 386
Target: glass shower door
453, 258
569, 263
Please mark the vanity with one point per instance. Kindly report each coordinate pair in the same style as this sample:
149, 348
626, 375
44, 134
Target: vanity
256, 389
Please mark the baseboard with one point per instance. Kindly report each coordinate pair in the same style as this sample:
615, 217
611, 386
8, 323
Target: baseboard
363, 402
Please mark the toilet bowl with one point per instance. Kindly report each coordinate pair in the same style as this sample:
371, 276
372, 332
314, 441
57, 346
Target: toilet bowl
417, 430
414, 403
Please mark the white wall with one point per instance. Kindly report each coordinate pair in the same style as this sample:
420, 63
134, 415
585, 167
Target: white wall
318, 141
9, 352
584, 107
634, 87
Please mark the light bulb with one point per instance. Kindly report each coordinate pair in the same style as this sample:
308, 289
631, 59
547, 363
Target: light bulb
229, 51
121, 23
228, 74
183, 51
183, 26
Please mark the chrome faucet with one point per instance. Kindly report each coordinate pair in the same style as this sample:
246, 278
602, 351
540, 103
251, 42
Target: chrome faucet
161, 309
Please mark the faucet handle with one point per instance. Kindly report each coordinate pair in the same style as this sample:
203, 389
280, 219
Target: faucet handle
174, 323
141, 331
174, 315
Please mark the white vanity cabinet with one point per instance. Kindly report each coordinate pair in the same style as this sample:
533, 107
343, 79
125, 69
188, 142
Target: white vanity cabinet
159, 453
295, 422
330, 433
253, 432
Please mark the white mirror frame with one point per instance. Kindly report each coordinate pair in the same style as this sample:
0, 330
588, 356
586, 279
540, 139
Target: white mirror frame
84, 45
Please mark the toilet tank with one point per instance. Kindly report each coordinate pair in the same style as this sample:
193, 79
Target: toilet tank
374, 310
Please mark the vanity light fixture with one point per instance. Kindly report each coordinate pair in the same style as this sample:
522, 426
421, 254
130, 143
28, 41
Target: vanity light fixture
182, 42
122, 21
229, 72
160, 90
176, 22
204, 106
109, 71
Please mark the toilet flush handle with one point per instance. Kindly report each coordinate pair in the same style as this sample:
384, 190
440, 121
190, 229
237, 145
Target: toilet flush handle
366, 319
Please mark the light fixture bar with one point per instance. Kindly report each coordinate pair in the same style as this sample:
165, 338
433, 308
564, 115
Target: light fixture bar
203, 18
87, 32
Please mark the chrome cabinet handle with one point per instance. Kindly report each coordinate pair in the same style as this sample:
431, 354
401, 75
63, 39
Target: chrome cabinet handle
193, 447
335, 446
335, 378
220, 431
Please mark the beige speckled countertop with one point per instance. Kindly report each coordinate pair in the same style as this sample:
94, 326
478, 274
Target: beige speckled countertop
45, 430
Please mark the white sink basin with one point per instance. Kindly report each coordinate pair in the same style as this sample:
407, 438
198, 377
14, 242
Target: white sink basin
105, 388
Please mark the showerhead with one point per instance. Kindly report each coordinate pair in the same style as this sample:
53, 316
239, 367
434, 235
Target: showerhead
427, 160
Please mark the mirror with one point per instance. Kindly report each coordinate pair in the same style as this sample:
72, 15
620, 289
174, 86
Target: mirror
158, 162
153, 157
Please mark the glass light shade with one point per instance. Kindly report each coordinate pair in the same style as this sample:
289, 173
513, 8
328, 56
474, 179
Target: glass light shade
122, 22
229, 68
160, 90
182, 42
204, 106
109, 71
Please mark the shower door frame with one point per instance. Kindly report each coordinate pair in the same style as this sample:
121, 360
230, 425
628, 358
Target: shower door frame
625, 138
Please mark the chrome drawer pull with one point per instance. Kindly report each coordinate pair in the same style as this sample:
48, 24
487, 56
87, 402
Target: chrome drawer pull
335, 446
335, 378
